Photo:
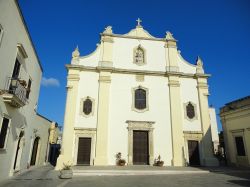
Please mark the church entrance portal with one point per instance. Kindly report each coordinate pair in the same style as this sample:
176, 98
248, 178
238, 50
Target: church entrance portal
193, 151
84, 150
140, 148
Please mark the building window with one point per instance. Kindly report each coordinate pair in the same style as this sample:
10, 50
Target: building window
87, 106
190, 111
1, 34
16, 69
28, 89
139, 55
140, 99
240, 146
4, 132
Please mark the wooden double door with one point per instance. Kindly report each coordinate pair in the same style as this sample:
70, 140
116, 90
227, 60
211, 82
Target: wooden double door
140, 148
84, 151
193, 151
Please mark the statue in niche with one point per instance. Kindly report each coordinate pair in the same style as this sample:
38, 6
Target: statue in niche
139, 56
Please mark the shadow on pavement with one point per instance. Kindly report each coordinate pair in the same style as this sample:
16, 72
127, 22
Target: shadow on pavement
239, 172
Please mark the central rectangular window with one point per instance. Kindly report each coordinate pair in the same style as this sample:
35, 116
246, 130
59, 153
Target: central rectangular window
140, 99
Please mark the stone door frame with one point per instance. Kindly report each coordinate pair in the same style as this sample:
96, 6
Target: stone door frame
84, 133
143, 126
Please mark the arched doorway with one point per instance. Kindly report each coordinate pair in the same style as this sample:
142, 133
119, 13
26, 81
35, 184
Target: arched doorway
34, 151
18, 152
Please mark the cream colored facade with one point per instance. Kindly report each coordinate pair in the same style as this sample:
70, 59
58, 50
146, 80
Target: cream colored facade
235, 118
54, 133
17, 109
214, 129
109, 77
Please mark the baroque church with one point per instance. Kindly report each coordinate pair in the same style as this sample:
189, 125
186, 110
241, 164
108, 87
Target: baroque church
136, 95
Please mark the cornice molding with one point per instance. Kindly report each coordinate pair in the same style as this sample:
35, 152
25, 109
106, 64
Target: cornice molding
132, 71
84, 129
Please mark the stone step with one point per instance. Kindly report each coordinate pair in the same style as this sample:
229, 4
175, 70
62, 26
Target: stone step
132, 172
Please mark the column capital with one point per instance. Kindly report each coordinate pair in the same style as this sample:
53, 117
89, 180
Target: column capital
173, 81
73, 77
107, 38
106, 79
170, 44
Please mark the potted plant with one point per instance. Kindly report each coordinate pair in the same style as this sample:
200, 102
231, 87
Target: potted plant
119, 160
66, 172
23, 82
158, 161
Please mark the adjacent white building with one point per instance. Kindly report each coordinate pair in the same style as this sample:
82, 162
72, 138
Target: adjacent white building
135, 94
23, 133
214, 129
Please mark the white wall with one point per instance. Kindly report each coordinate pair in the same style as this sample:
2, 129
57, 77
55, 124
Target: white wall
123, 56
88, 86
24, 117
189, 94
120, 111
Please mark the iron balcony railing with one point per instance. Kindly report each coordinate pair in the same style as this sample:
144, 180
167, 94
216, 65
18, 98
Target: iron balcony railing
16, 87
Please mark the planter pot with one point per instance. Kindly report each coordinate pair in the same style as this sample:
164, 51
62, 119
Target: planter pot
122, 164
160, 164
66, 174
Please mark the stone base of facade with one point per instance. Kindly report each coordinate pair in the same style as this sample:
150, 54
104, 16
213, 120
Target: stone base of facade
210, 162
101, 161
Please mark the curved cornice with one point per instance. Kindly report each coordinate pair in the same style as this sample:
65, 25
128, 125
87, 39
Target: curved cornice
92, 53
186, 62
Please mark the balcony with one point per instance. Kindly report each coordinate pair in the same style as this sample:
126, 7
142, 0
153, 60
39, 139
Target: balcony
15, 92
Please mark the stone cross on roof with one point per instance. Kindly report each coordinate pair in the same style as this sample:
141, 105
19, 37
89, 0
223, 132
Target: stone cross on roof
139, 22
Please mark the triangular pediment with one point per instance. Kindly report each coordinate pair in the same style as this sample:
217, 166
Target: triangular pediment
139, 32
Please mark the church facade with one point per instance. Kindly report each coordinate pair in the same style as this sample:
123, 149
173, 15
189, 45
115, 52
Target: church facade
137, 96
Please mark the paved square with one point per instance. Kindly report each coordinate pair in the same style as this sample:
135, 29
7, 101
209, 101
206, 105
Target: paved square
46, 177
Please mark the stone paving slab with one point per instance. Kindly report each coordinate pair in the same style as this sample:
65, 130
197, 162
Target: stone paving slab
47, 177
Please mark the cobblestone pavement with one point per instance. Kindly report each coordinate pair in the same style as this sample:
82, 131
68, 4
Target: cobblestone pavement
219, 177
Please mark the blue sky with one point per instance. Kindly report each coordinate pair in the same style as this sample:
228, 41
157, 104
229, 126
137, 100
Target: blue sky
216, 30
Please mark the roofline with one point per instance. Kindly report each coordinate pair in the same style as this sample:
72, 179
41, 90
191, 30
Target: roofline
133, 37
44, 117
238, 100
27, 30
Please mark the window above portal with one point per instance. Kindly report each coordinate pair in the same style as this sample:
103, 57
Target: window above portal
87, 106
140, 99
190, 110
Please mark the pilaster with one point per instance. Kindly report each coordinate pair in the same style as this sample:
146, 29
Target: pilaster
66, 156
176, 121
101, 157
207, 148
171, 53
107, 51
